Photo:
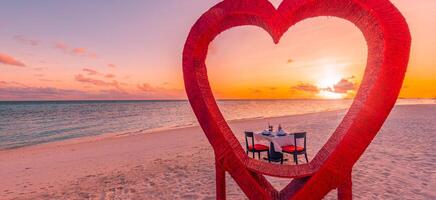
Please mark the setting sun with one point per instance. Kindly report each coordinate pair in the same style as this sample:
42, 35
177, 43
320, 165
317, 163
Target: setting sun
327, 83
329, 77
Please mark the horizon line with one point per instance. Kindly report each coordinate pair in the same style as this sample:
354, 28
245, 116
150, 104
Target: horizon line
221, 99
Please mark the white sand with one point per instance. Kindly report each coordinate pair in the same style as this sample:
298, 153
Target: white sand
178, 164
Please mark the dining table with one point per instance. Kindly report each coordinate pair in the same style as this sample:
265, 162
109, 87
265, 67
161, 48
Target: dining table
277, 140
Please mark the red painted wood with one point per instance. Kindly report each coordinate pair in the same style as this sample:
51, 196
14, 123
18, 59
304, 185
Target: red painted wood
220, 182
345, 190
388, 39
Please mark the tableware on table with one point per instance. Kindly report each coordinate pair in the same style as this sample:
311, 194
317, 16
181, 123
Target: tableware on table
265, 132
281, 133
270, 128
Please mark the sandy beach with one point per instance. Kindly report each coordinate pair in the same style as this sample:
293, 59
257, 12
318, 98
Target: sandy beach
178, 163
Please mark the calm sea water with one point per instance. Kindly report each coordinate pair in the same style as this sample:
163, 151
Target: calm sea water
28, 123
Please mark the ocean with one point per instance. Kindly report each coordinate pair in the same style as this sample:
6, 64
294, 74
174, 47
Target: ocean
35, 122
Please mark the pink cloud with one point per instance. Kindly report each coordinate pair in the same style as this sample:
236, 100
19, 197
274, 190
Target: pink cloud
96, 82
9, 60
90, 72
152, 91
109, 76
61, 46
146, 87
111, 65
12, 84
26, 40
92, 55
78, 51
343, 86
17, 91
49, 80
38, 93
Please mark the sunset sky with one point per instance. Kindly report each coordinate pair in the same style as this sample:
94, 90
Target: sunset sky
110, 49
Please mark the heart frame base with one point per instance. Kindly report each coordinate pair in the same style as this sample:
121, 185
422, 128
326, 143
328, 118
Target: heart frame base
388, 39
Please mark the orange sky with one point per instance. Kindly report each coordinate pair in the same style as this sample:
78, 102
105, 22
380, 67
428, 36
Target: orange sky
54, 50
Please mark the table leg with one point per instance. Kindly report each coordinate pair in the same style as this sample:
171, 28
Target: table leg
274, 155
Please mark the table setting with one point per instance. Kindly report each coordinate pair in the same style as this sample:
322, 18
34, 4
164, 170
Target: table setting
277, 139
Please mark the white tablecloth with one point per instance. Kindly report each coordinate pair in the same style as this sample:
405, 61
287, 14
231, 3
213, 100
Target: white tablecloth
278, 141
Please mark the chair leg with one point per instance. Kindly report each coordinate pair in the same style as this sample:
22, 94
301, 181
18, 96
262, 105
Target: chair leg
254, 155
258, 155
305, 155
269, 160
296, 158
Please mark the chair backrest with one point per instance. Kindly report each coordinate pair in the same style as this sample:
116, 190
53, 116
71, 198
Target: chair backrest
249, 134
301, 135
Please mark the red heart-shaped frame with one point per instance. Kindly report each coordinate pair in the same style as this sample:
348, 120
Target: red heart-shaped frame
388, 39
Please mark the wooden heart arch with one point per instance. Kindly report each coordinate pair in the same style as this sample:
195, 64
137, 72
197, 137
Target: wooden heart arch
388, 39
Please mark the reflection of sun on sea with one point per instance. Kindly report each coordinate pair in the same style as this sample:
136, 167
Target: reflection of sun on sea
326, 84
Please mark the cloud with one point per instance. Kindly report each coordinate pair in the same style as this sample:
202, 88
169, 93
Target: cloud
12, 84
306, 87
93, 72
48, 80
90, 72
145, 87
17, 91
96, 82
78, 51
109, 76
111, 65
26, 40
37, 93
51, 93
149, 90
343, 86
61, 46
255, 91
9, 60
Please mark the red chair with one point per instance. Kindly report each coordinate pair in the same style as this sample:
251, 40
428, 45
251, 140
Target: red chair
296, 150
255, 148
